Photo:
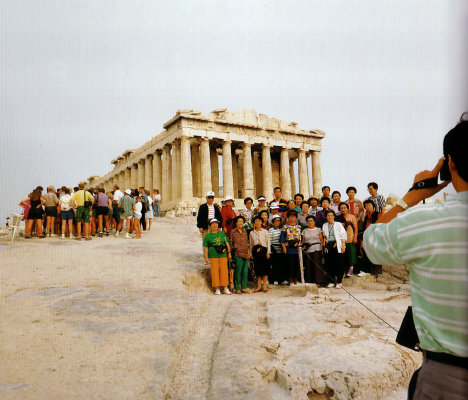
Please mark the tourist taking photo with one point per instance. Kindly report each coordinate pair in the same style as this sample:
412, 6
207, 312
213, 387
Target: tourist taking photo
432, 240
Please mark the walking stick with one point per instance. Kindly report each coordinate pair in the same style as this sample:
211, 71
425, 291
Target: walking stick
299, 251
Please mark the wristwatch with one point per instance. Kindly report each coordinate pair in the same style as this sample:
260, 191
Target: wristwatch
402, 204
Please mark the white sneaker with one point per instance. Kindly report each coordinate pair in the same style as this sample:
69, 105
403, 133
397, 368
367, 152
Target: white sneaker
285, 283
275, 283
218, 291
292, 284
227, 291
62, 237
362, 273
117, 234
339, 286
330, 285
53, 235
128, 237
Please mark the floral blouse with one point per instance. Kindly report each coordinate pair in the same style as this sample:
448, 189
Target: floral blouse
240, 243
248, 215
358, 211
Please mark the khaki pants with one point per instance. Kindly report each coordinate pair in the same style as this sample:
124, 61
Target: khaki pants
441, 381
203, 235
219, 272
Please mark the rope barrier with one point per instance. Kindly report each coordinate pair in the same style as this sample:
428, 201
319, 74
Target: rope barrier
333, 279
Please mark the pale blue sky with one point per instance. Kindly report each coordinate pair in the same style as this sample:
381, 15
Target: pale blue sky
82, 81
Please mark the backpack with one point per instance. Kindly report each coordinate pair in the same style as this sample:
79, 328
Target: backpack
65, 205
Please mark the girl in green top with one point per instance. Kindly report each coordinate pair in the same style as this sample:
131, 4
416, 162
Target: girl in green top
217, 251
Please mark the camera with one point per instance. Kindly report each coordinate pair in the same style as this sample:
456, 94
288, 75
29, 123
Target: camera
445, 174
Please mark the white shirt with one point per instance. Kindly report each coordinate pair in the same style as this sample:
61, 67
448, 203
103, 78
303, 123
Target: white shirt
157, 197
117, 195
211, 212
339, 231
138, 207
150, 201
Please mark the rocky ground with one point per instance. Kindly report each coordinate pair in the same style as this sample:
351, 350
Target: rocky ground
136, 319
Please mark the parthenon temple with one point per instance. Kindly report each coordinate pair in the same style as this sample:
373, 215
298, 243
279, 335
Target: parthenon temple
257, 154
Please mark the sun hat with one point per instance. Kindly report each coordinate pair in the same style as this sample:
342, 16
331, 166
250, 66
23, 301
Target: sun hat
228, 198
213, 220
275, 217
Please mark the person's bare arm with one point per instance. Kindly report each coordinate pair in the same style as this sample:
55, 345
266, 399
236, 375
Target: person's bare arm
355, 231
415, 196
42, 202
382, 211
205, 249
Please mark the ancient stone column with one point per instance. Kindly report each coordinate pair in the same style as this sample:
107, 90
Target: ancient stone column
141, 173
185, 168
128, 179
248, 171
228, 187
214, 170
157, 171
267, 173
170, 193
149, 173
257, 174
303, 175
175, 170
285, 174
235, 183
240, 176
165, 182
134, 177
196, 170
292, 174
205, 167
316, 173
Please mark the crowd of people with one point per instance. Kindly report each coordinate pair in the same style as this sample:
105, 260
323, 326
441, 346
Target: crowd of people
78, 213
259, 243
262, 243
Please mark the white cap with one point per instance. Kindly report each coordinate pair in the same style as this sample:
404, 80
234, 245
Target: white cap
274, 207
228, 198
275, 216
261, 198
128, 191
213, 220
210, 194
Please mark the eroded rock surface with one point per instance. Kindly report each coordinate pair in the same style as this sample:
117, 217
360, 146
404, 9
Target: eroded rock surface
116, 319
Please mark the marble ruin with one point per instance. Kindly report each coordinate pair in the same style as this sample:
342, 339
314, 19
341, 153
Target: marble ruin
182, 161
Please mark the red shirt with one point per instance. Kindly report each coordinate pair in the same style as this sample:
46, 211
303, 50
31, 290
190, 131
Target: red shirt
227, 213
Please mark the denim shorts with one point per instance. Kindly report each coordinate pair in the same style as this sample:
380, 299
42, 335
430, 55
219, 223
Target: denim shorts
136, 216
67, 215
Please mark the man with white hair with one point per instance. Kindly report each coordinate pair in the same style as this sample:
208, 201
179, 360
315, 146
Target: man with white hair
206, 213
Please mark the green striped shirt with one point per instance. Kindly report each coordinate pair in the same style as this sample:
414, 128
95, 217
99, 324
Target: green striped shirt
433, 241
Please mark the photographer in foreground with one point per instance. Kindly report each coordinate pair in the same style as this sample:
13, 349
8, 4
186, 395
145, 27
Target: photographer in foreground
433, 241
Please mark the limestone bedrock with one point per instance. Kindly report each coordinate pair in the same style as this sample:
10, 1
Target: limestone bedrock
137, 319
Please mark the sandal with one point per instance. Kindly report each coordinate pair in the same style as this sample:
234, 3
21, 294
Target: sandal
257, 290
265, 290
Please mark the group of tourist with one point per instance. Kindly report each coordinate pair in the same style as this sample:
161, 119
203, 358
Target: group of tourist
262, 243
90, 212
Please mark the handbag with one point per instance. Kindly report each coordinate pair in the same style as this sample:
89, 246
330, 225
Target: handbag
293, 243
407, 335
86, 203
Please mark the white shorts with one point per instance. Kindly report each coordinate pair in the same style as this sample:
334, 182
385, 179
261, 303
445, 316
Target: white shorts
149, 215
